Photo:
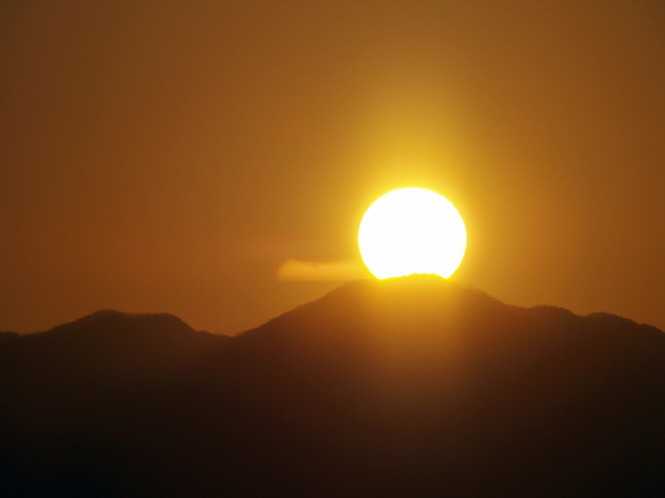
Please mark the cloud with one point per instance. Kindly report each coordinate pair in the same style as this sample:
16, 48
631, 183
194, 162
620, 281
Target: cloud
331, 271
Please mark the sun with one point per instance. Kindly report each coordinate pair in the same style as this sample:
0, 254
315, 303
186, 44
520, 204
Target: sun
412, 230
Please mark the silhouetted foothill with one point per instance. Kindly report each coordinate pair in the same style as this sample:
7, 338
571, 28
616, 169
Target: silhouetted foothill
7, 337
414, 386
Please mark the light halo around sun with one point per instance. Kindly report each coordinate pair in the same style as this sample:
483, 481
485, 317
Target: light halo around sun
412, 230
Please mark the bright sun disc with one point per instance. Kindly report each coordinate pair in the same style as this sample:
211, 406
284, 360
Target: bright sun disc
412, 230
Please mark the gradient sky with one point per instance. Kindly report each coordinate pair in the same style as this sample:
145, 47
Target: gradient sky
174, 156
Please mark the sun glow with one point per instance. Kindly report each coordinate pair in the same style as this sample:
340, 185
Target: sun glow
412, 230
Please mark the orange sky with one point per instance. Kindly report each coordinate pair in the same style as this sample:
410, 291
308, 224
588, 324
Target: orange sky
173, 156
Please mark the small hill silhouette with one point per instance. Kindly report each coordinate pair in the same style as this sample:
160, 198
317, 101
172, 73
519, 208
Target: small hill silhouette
415, 386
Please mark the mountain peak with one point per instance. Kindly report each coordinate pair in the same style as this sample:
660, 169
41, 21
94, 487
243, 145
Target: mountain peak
109, 314
112, 321
415, 303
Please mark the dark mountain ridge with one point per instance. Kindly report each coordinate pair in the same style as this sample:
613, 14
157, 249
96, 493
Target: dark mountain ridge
108, 344
404, 387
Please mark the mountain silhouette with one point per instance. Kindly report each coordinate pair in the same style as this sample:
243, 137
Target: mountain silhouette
414, 386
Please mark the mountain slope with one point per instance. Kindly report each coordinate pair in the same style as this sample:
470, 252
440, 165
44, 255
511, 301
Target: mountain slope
405, 387
491, 396
107, 346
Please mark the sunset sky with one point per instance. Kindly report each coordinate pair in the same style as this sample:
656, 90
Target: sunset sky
214, 159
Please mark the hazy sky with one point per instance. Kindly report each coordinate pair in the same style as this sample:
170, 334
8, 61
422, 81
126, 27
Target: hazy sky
172, 156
